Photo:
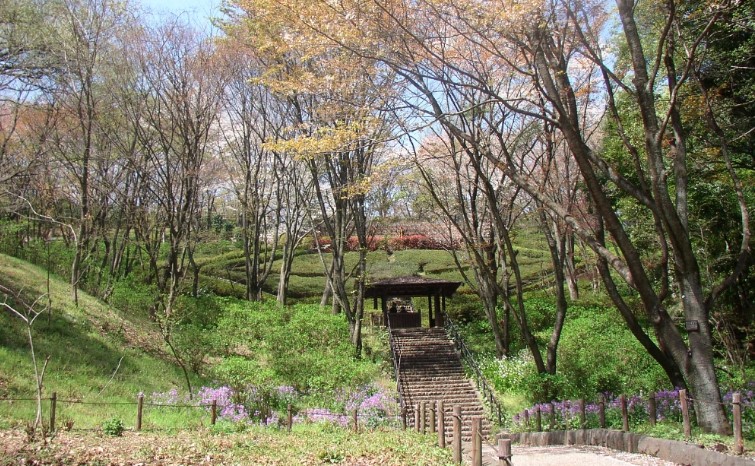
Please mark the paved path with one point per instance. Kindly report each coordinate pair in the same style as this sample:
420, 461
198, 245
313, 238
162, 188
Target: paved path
558, 455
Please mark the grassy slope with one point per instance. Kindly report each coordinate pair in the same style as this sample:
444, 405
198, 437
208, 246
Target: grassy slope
100, 355
96, 353
223, 270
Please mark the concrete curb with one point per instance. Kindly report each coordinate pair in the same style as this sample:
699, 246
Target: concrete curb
669, 450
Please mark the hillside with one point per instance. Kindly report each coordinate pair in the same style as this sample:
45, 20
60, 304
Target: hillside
97, 354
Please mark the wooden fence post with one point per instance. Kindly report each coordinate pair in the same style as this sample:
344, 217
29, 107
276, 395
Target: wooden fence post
457, 434
553, 416
416, 417
432, 416
422, 416
582, 414
403, 418
476, 441
214, 411
652, 410
355, 417
685, 413
602, 411
139, 411
504, 452
53, 407
624, 413
289, 417
538, 420
736, 401
441, 425
527, 419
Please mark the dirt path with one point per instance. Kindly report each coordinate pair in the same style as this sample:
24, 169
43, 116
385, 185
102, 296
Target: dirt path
569, 456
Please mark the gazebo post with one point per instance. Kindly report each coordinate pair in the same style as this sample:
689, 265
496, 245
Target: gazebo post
430, 319
384, 308
437, 303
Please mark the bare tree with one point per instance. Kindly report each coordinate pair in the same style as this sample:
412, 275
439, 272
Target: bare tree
183, 96
28, 312
252, 117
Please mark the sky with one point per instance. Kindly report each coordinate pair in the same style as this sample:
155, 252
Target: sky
198, 10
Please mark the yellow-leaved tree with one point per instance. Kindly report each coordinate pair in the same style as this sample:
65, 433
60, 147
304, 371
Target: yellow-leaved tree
338, 124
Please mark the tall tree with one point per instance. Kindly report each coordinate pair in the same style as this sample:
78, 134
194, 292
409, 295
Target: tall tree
183, 87
337, 129
554, 49
84, 37
252, 117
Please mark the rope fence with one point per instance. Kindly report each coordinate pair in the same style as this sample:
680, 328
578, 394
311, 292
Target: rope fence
353, 419
430, 416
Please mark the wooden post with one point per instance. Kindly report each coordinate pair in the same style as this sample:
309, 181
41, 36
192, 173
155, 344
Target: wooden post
53, 407
441, 425
214, 411
290, 417
527, 419
139, 411
538, 420
457, 434
422, 416
602, 411
685, 413
624, 413
355, 417
416, 417
432, 417
652, 410
553, 416
476, 441
504, 452
736, 402
403, 418
582, 414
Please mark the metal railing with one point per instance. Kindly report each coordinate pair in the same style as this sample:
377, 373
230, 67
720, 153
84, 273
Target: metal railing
467, 357
396, 357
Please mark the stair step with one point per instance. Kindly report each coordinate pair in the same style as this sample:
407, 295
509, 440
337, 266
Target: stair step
430, 370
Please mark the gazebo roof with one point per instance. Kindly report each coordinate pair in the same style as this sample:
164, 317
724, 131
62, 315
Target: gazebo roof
411, 286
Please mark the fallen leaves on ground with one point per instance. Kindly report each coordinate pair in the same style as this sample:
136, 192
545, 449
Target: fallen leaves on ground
306, 446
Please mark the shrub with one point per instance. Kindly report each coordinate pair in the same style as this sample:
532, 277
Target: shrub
113, 427
132, 296
418, 242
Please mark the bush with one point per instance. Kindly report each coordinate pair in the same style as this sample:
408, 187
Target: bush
303, 347
419, 242
596, 343
113, 427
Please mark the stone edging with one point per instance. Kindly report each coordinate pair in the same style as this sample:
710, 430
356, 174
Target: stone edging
669, 450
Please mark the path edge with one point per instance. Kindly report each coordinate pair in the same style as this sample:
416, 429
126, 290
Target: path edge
669, 450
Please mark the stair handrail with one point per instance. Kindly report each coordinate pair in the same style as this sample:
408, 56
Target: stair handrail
488, 394
396, 357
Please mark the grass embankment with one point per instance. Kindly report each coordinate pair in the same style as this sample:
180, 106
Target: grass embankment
96, 354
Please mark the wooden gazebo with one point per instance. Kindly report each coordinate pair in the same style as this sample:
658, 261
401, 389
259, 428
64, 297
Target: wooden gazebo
402, 288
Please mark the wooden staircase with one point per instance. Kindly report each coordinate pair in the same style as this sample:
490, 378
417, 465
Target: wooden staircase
429, 370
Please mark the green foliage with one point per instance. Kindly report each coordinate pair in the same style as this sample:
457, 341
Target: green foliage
593, 345
132, 296
303, 346
113, 427
510, 375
